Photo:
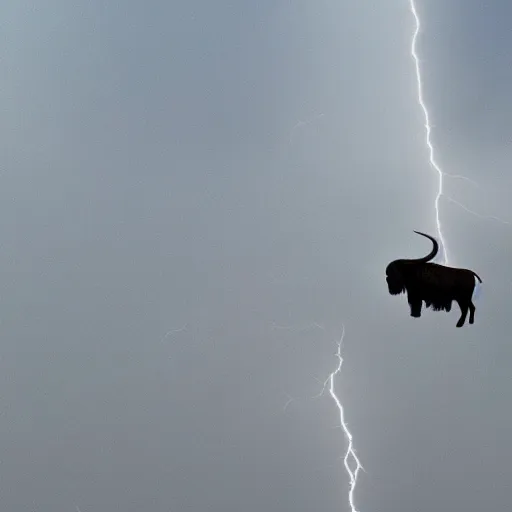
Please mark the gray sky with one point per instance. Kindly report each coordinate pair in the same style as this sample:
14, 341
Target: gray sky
187, 189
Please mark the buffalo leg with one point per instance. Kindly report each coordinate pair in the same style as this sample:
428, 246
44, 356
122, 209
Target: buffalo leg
464, 311
471, 312
415, 304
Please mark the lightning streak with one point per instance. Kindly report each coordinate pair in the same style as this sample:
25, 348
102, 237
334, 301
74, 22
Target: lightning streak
428, 129
350, 454
465, 208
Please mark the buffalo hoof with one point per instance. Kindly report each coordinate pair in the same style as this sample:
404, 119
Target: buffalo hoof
460, 323
416, 315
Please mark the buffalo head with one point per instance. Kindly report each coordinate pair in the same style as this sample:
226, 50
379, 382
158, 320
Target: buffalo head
397, 271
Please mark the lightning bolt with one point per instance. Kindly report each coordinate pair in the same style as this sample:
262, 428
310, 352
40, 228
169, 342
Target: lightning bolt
350, 454
428, 130
350, 459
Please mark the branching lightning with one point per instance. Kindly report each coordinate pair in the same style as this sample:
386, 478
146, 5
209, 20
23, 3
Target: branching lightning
350, 459
480, 216
433, 162
428, 129
350, 454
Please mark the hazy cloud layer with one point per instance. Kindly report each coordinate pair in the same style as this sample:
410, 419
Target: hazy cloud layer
195, 197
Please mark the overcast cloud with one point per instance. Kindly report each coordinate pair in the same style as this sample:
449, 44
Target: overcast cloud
195, 197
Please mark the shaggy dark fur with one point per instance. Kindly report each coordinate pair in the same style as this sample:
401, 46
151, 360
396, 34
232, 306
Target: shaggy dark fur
434, 284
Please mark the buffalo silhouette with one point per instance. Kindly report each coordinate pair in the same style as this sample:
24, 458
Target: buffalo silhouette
436, 285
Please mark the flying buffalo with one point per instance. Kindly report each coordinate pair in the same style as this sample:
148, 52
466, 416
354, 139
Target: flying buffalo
436, 285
